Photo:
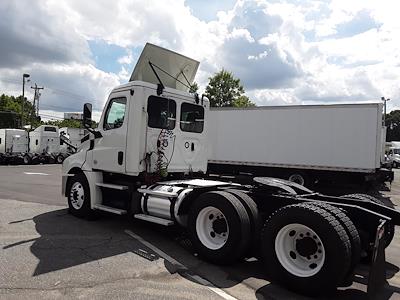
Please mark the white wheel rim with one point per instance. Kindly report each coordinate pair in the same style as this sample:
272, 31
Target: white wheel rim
297, 178
299, 250
77, 195
212, 228
26, 160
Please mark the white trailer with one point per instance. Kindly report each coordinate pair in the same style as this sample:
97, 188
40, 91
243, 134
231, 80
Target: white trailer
13, 145
148, 159
305, 144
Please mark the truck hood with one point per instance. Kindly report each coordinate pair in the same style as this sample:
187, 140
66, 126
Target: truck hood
178, 66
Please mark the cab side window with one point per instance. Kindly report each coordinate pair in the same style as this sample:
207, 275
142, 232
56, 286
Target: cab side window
115, 113
192, 118
161, 112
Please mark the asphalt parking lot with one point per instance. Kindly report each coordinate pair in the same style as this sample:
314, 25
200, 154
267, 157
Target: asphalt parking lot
47, 253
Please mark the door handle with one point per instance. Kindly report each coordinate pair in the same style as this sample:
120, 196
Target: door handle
120, 157
192, 148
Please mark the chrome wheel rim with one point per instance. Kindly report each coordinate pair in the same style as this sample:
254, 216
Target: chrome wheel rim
77, 195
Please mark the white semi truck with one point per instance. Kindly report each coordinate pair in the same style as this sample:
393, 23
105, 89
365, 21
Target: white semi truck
13, 145
74, 135
44, 145
304, 144
148, 159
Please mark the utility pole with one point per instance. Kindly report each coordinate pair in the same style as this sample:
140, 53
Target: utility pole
384, 109
23, 98
36, 98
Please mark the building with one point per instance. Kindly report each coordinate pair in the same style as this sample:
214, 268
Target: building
73, 116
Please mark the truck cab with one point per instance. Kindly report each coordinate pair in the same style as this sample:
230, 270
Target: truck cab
151, 124
151, 128
44, 139
145, 132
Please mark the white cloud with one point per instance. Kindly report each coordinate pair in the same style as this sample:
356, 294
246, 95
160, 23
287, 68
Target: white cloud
285, 52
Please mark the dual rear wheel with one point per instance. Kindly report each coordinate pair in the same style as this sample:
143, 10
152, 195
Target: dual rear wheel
309, 248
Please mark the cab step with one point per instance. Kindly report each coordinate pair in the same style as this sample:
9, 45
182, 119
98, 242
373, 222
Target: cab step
110, 209
153, 219
112, 186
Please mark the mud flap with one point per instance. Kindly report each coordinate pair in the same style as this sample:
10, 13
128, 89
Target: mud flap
377, 273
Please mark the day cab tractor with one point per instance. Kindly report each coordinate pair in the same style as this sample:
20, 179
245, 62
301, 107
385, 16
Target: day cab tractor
148, 159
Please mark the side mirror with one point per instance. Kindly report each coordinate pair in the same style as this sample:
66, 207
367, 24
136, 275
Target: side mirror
87, 115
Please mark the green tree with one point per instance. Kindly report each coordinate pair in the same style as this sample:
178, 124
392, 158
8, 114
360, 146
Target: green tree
224, 90
13, 104
243, 101
65, 123
393, 126
194, 87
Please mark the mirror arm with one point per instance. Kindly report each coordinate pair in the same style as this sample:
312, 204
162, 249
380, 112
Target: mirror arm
97, 134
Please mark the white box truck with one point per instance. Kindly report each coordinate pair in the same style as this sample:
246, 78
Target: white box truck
13, 145
304, 144
148, 159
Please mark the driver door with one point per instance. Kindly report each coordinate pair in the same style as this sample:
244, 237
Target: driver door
109, 153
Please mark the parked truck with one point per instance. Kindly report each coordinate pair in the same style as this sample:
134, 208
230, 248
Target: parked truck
148, 159
301, 143
393, 153
13, 145
74, 135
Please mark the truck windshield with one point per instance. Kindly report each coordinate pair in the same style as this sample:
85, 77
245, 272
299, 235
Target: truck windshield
48, 128
192, 118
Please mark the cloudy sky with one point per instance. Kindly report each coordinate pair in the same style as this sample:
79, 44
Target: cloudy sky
284, 52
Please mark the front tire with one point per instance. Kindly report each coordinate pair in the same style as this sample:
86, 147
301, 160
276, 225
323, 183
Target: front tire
219, 227
306, 249
78, 194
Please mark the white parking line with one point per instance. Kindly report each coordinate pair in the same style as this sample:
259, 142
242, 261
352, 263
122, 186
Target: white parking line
171, 260
36, 173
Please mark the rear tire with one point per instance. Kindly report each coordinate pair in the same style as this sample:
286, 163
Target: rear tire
255, 219
219, 227
60, 159
350, 229
27, 159
306, 249
365, 197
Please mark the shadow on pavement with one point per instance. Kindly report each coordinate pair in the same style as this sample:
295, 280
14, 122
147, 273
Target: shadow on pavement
66, 241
